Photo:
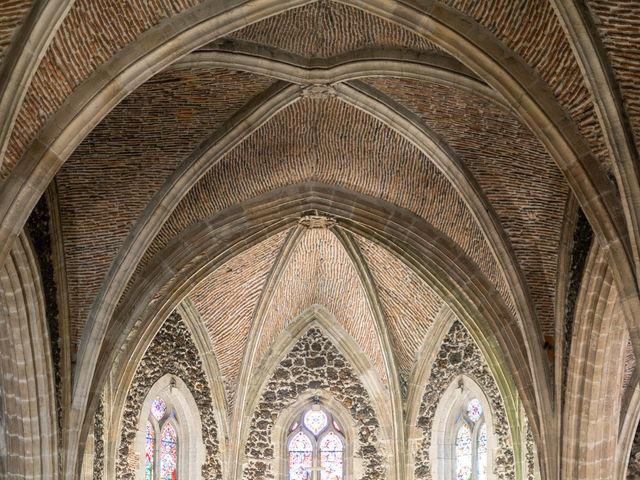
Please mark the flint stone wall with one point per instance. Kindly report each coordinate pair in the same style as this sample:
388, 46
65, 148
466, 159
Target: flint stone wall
314, 363
459, 355
98, 441
171, 352
633, 469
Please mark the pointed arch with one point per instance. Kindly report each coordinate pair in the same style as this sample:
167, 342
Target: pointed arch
184, 421
594, 386
318, 316
26, 369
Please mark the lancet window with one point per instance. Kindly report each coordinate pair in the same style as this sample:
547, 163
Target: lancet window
316, 446
161, 443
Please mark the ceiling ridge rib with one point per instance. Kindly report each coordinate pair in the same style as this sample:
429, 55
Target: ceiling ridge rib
257, 323
384, 342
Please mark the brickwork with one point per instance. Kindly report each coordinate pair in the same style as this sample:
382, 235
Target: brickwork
325, 29
532, 30
172, 351
12, 13
313, 363
410, 305
460, 355
308, 142
514, 170
109, 180
226, 301
320, 272
619, 25
90, 34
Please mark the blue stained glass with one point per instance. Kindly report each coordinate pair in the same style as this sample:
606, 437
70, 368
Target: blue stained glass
331, 457
158, 408
316, 421
463, 453
474, 410
482, 451
169, 453
300, 457
149, 452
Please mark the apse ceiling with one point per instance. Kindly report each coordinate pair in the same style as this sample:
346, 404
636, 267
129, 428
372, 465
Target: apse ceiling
209, 136
385, 117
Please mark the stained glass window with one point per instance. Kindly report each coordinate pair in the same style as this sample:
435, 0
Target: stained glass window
482, 453
149, 452
158, 408
331, 457
474, 410
316, 449
463, 453
300, 457
316, 421
168, 453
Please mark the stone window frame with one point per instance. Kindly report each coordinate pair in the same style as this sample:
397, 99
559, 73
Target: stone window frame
448, 418
186, 421
352, 467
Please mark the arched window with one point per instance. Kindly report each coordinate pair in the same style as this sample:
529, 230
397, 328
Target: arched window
471, 449
315, 446
463, 444
161, 443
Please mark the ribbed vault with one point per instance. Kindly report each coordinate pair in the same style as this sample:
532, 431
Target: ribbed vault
378, 161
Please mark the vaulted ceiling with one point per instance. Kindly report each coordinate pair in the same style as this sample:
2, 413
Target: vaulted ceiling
377, 159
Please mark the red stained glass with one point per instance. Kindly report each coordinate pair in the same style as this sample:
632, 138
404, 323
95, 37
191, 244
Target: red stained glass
168, 453
300, 457
331, 457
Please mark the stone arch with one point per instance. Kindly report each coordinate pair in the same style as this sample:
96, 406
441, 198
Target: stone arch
596, 369
331, 366
454, 399
459, 356
171, 354
272, 210
191, 449
26, 370
353, 465
537, 107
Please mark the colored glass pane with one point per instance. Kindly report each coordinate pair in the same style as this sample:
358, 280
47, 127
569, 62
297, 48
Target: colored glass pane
331, 457
294, 426
474, 410
336, 426
300, 457
149, 452
316, 421
168, 453
463, 453
482, 453
158, 408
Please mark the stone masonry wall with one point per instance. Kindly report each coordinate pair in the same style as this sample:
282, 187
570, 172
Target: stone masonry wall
171, 352
314, 363
460, 355
633, 469
98, 442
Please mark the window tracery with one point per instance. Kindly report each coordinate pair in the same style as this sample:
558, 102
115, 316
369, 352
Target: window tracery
161, 442
315, 447
471, 445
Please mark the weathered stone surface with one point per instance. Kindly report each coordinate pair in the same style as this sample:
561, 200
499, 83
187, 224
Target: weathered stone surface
315, 356
98, 441
171, 352
468, 360
633, 469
